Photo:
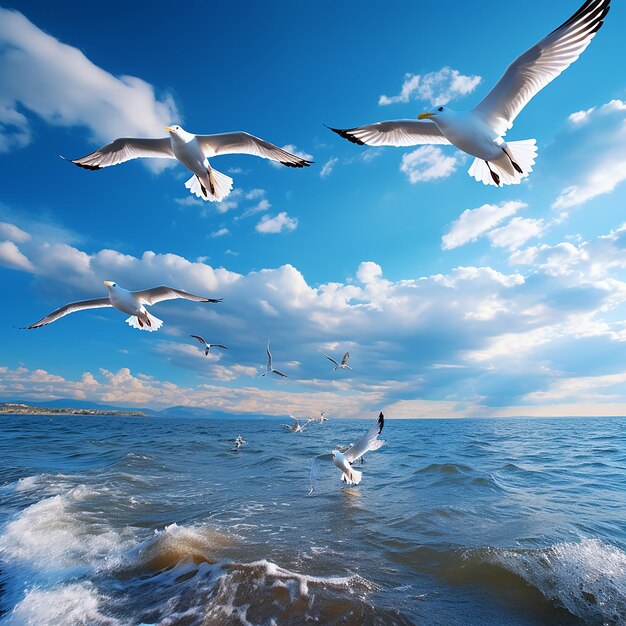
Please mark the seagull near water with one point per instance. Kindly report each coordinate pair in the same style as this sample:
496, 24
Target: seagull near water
343, 460
132, 302
480, 132
194, 152
208, 346
339, 366
269, 368
296, 427
239, 441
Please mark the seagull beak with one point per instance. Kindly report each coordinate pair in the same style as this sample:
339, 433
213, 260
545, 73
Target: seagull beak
168, 129
425, 116
108, 283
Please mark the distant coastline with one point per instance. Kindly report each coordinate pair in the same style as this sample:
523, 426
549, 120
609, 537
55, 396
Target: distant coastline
9, 408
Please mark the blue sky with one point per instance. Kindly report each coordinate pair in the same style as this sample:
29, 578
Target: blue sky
453, 298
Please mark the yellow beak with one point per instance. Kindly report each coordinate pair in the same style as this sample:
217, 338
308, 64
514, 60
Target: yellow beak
107, 283
168, 128
425, 116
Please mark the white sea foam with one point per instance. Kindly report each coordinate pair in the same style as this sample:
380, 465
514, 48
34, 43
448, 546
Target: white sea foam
49, 483
68, 605
587, 578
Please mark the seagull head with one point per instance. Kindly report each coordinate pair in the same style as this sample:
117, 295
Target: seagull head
437, 112
110, 284
174, 129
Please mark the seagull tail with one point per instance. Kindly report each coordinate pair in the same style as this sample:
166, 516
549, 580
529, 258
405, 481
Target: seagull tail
214, 188
155, 323
516, 162
353, 478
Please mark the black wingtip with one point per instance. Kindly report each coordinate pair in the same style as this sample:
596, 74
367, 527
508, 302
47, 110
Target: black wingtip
302, 163
93, 168
381, 421
214, 300
345, 133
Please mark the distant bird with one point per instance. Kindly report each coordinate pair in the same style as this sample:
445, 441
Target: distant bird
339, 366
131, 302
193, 151
269, 369
296, 427
321, 418
239, 441
208, 346
343, 460
480, 132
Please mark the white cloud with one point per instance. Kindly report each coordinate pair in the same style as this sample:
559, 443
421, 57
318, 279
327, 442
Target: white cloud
582, 117
436, 87
189, 201
10, 256
13, 233
516, 233
427, 163
474, 223
276, 224
222, 232
328, 167
57, 82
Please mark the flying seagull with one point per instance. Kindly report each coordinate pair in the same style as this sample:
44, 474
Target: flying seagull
321, 418
269, 369
194, 152
296, 427
131, 302
343, 460
480, 132
339, 366
208, 346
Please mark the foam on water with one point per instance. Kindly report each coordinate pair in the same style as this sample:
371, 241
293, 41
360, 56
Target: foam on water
588, 578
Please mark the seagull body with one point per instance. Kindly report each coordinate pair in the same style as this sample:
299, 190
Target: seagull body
296, 427
208, 346
344, 459
339, 366
239, 441
269, 368
321, 418
480, 132
193, 151
131, 302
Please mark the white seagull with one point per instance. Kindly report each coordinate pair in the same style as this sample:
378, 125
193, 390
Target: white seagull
132, 302
194, 152
269, 369
239, 442
208, 346
296, 427
480, 132
321, 418
343, 460
339, 366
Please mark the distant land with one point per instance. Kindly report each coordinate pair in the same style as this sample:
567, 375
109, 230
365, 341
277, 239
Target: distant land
71, 406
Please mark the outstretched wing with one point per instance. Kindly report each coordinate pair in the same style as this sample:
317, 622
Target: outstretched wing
368, 442
72, 307
200, 340
159, 294
245, 143
280, 373
125, 149
346, 356
330, 358
269, 355
540, 65
219, 345
315, 469
393, 133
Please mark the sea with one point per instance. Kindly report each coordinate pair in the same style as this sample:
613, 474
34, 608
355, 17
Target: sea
111, 521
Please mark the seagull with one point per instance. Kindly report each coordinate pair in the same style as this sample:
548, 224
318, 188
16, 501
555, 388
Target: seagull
296, 427
193, 151
343, 460
269, 369
132, 302
208, 346
339, 366
239, 442
480, 132
321, 418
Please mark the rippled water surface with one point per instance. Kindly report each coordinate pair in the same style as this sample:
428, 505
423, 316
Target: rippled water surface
129, 521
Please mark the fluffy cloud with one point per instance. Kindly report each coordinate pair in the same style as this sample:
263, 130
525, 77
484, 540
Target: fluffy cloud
57, 82
516, 233
221, 232
474, 223
11, 256
427, 163
581, 117
435, 87
328, 167
13, 233
276, 224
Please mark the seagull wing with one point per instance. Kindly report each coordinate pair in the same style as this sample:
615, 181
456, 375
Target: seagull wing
72, 307
541, 64
393, 133
330, 358
202, 341
369, 441
346, 356
158, 294
125, 149
279, 373
219, 345
269, 355
245, 143
315, 469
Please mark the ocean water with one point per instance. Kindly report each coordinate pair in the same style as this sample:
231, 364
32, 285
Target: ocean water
136, 521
